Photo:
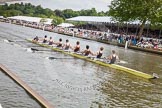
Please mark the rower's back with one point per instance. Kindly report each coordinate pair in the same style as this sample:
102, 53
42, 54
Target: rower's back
87, 51
59, 43
100, 52
50, 41
77, 47
45, 39
67, 45
113, 57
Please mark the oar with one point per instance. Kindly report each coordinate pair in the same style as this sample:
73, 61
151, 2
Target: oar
58, 58
122, 61
35, 49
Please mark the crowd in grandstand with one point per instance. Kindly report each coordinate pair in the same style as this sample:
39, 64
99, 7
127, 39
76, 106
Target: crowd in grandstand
149, 38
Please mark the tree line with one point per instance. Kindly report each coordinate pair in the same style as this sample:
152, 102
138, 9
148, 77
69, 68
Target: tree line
59, 16
145, 11
28, 9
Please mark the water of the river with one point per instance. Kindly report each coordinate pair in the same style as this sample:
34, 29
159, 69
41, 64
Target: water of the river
74, 83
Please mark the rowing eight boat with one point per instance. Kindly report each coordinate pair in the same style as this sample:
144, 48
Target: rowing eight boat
115, 66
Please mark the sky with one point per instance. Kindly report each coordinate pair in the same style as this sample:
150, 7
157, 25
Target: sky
99, 5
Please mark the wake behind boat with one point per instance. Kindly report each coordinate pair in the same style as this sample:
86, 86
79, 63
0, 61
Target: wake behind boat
98, 61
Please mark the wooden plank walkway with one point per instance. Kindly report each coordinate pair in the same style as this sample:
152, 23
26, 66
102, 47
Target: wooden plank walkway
39, 98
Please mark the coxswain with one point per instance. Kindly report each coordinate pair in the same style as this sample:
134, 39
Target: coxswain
50, 41
113, 57
59, 44
67, 45
99, 53
77, 47
45, 39
87, 51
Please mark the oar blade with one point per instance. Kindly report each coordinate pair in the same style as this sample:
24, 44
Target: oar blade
52, 58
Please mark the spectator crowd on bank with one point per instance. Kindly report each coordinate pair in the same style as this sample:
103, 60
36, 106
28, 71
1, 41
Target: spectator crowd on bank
118, 35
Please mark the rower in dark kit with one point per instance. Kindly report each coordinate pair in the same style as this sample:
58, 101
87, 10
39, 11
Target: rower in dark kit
50, 41
67, 45
87, 51
36, 39
59, 44
99, 53
45, 39
113, 57
77, 47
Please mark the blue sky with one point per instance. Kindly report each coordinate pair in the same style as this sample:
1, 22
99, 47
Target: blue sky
100, 5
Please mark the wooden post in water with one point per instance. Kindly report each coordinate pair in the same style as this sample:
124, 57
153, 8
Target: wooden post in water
39, 98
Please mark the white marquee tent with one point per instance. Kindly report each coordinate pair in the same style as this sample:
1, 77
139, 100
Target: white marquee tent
31, 19
97, 19
91, 19
1, 17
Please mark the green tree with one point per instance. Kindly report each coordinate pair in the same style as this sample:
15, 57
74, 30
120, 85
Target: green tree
5, 6
93, 12
68, 13
59, 13
101, 13
9, 13
28, 11
47, 12
38, 9
132, 10
88, 12
43, 20
57, 20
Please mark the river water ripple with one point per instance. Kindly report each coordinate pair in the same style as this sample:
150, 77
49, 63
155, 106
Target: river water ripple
74, 83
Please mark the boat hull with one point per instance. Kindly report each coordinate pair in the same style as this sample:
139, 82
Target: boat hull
114, 66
